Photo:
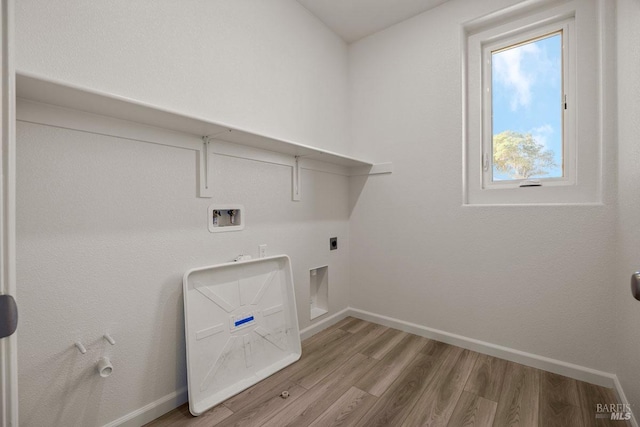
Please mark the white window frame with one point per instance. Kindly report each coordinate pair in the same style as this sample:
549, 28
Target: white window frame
581, 183
568, 120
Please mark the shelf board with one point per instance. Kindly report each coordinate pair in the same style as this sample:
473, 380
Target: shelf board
62, 94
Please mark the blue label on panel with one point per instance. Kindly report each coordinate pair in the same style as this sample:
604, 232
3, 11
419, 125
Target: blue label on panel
243, 321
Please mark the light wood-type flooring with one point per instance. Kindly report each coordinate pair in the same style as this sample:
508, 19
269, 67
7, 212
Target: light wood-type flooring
358, 373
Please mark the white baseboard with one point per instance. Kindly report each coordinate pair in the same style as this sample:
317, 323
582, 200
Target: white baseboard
151, 411
622, 398
171, 401
165, 404
570, 370
323, 324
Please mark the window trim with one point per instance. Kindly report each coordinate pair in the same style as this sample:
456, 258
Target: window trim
584, 93
565, 27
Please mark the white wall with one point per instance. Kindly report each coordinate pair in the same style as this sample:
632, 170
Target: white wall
627, 308
268, 66
535, 279
107, 227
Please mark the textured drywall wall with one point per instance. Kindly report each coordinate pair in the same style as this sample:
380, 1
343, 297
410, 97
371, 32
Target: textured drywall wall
267, 66
535, 279
627, 308
106, 229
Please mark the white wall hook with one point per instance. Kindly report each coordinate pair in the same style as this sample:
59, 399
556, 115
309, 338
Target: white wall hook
109, 339
80, 347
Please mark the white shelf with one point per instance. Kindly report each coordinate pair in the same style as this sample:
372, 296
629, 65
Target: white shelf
61, 94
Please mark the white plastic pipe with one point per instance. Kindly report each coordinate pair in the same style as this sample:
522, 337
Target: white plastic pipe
105, 368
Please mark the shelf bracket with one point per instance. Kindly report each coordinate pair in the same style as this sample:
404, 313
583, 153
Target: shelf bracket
295, 183
205, 185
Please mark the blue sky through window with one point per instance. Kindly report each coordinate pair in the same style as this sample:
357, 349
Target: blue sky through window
527, 95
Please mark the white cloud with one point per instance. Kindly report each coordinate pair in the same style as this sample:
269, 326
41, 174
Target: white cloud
519, 68
542, 133
509, 71
546, 128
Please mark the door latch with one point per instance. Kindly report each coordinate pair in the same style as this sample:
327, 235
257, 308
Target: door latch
8, 316
635, 285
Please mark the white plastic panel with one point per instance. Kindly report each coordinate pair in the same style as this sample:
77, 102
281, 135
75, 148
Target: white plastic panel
241, 326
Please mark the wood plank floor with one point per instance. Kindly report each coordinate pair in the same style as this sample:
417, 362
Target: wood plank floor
358, 373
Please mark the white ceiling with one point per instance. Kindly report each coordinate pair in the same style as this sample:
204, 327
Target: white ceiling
355, 19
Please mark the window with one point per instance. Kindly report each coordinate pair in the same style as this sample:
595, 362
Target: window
523, 143
525, 107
